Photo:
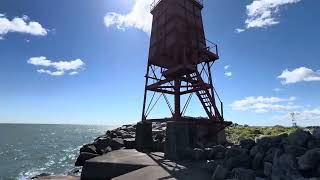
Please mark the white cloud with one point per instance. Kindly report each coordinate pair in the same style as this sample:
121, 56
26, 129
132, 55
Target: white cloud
299, 75
55, 73
60, 66
239, 30
262, 104
264, 13
311, 115
139, 17
228, 74
73, 73
21, 25
39, 61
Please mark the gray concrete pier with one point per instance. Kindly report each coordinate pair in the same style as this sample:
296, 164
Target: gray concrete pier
134, 165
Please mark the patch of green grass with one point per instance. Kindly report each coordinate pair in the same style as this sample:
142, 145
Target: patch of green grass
276, 130
237, 133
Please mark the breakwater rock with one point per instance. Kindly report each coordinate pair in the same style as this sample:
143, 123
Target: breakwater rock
120, 138
293, 155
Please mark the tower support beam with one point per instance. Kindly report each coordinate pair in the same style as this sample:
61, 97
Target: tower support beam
177, 103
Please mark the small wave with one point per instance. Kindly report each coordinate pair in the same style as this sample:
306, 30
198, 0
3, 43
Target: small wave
49, 163
31, 173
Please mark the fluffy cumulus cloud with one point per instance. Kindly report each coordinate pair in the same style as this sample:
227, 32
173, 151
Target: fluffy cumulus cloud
299, 75
20, 25
262, 104
59, 67
264, 13
139, 17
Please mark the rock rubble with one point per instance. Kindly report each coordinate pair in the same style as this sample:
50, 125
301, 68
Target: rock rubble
294, 156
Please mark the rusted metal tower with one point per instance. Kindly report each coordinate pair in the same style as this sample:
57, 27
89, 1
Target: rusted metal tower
180, 60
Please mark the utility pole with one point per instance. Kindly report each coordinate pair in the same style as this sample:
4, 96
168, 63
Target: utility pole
293, 119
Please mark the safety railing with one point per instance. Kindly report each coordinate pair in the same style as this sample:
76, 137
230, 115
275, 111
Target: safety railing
216, 96
156, 2
212, 47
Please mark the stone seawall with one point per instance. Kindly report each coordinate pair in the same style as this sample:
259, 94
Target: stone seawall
285, 156
294, 155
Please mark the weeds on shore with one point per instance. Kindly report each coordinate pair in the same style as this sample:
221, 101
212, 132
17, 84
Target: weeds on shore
236, 133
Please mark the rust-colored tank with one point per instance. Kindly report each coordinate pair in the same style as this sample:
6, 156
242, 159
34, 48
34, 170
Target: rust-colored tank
177, 37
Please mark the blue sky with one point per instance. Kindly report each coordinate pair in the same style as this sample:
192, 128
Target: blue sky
83, 62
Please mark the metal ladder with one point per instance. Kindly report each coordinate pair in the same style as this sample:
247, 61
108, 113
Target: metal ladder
206, 99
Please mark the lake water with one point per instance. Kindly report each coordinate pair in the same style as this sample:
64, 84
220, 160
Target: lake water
28, 150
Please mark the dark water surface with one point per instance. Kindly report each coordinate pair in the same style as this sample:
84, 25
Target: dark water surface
27, 150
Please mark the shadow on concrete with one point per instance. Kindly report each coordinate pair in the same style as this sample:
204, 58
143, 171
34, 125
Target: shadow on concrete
181, 170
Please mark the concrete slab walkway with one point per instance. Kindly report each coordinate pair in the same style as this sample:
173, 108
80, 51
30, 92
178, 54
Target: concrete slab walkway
134, 165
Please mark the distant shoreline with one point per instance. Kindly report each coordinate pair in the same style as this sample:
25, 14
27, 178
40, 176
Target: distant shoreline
115, 126
60, 124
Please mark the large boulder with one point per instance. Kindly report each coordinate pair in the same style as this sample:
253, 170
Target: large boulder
270, 141
243, 174
294, 150
102, 145
270, 154
211, 165
198, 154
111, 134
220, 173
209, 152
247, 143
256, 149
218, 152
235, 151
285, 167
89, 148
129, 143
268, 158
313, 143
116, 143
267, 169
299, 137
128, 128
237, 157
242, 160
128, 135
316, 132
309, 160
83, 157
257, 161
